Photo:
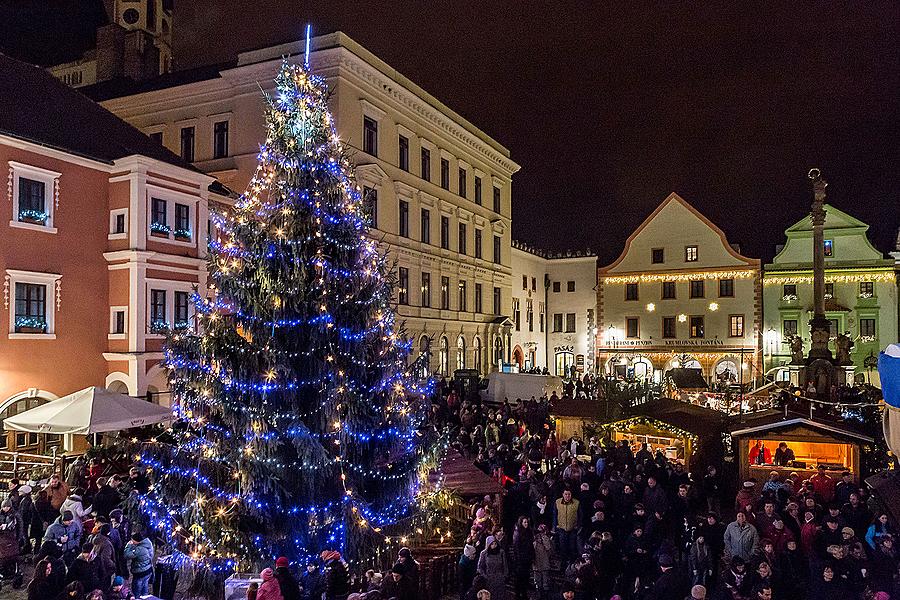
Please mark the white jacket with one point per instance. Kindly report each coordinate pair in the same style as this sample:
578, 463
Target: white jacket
73, 504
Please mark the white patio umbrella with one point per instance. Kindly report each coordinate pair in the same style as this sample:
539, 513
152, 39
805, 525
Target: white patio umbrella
91, 410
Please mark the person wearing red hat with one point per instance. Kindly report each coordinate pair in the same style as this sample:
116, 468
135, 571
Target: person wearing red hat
337, 580
290, 588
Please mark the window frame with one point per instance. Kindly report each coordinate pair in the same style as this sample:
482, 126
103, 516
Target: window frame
220, 150
113, 217
653, 255
479, 300
629, 321
445, 292
869, 292
731, 324
445, 232
445, 173
497, 199
463, 296
784, 331
50, 179
191, 153
370, 205
666, 285
872, 320
729, 283
462, 238
691, 253
403, 286
171, 198
498, 246
691, 326
425, 163
426, 290
370, 135
571, 317
403, 218
51, 281
498, 300
477, 197
114, 311
170, 287
558, 326
702, 285
462, 182
403, 152
425, 225
479, 243
632, 287
785, 292
570, 286
557, 286
674, 332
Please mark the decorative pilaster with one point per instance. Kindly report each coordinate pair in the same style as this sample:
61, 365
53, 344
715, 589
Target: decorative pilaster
6, 291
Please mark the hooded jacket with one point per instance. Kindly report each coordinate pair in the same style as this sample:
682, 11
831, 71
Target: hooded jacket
73, 504
139, 556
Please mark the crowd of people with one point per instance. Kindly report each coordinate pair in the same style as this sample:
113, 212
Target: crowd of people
77, 532
594, 520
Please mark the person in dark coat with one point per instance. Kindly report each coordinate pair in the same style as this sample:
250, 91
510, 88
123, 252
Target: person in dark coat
397, 586
40, 587
84, 569
312, 583
107, 497
290, 589
523, 557
671, 584
410, 569
337, 580
50, 552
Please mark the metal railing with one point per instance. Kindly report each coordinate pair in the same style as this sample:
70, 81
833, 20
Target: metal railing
20, 465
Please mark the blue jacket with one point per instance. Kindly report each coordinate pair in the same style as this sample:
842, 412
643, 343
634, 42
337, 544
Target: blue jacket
139, 556
58, 529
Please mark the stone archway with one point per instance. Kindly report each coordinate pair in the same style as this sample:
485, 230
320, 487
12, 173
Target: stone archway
519, 357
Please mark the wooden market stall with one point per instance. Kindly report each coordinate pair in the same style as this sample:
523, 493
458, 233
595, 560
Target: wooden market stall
571, 414
835, 445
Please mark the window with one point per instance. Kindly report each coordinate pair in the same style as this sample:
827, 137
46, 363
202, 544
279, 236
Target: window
404, 218
556, 287
829, 247
182, 302
476, 352
478, 300
445, 173
220, 139
426, 290
32, 202
541, 317
529, 315
157, 136
631, 327
557, 322
187, 144
463, 296
117, 322
426, 164
726, 288
462, 238
517, 314
631, 291
570, 322
182, 221
403, 286
497, 299
444, 354
833, 328
736, 326
697, 290
478, 190
478, 252
425, 225
570, 286
690, 254
524, 282
158, 320
403, 158
867, 328
159, 215
789, 328
668, 326
656, 256
497, 249
460, 352
461, 183
370, 205
668, 290
829, 290
789, 291
696, 327
533, 284
866, 289
370, 136
445, 293
496, 200
119, 222
445, 233
31, 308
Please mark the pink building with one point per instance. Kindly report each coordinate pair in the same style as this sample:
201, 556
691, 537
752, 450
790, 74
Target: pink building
105, 239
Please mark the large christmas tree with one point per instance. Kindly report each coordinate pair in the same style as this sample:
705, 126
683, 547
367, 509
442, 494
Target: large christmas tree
297, 411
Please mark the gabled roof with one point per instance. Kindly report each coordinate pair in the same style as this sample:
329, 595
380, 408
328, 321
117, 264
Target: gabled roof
834, 219
579, 408
673, 197
776, 420
36, 107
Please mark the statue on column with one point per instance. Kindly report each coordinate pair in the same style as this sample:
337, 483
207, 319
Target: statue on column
797, 350
843, 344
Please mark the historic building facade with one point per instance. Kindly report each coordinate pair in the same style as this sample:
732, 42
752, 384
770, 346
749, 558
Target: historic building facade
553, 308
438, 188
104, 240
679, 295
860, 291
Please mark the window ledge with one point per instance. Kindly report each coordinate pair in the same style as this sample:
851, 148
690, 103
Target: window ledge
117, 336
32, 226
117, 236
32, 336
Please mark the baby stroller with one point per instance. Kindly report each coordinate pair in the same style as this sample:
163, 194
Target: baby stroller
10, 569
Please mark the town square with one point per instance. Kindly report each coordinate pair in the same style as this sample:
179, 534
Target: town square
475, 301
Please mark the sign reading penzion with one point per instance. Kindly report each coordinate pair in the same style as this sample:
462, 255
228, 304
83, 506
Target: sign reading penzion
647, 343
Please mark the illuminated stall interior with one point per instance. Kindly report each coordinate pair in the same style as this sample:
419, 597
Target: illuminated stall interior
675, 443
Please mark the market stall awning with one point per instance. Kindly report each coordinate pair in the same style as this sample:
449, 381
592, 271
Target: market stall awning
467, 480
91, 410
687, 379
774, 421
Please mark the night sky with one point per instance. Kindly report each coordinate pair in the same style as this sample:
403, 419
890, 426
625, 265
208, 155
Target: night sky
610, 108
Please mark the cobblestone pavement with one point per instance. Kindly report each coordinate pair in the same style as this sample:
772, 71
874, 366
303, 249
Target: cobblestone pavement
8, 593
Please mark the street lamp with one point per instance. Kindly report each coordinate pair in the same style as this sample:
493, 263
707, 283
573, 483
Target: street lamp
771, 339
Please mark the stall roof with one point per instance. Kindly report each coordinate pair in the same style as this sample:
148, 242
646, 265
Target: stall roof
687, 379
698, 420
462, 476
776, 420
576, 407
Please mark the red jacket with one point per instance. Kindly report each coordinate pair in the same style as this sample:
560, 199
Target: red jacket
754, 454
808, 536
823, 486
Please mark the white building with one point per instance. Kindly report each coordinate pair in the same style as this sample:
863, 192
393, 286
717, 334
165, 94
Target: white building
679, 295
553, 304
438, 187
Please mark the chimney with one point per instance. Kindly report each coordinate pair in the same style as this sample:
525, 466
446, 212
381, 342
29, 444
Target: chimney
110, 51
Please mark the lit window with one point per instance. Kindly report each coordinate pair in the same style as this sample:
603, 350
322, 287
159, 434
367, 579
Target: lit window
690, 253
736, 326
829, 247
403, 286
697, 327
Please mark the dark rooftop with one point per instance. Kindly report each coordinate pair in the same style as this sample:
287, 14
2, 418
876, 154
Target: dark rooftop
37, 107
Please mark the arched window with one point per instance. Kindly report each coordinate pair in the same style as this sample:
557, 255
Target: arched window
20, 441
498, 351
476, 349
460, 352
425, 355
445, 356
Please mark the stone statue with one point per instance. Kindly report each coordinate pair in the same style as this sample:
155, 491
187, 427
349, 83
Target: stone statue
796, 350
843, 345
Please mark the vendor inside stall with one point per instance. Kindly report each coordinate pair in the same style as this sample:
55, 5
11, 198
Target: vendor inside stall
795, 455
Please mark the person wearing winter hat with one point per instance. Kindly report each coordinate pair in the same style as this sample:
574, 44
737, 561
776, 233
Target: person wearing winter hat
290, 588
398, 584
65, 531
268, 589
467, 564
670, 583
120, 589
337, 580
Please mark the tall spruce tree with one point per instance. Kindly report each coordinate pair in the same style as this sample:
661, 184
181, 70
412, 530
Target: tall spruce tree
297, 411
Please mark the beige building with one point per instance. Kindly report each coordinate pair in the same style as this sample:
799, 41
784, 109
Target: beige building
553, 303
679, 295
438, 187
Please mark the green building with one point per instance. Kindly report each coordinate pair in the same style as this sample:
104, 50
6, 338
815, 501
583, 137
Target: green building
860, 292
